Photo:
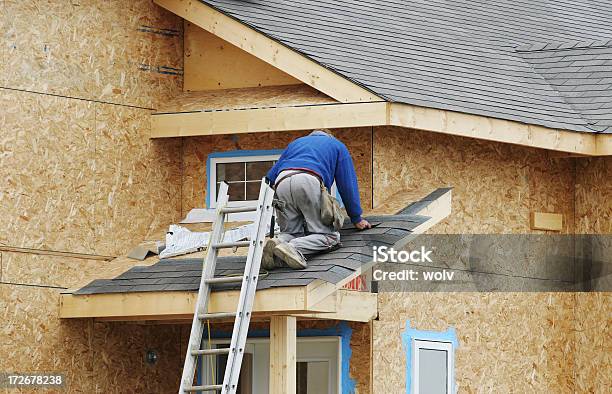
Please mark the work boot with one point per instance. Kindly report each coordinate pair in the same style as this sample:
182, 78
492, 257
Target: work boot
268, 262
290, 255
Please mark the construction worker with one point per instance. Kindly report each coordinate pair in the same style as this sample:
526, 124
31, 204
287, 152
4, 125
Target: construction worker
308, 221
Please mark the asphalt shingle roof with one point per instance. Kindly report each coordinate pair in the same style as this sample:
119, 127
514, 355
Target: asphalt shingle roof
481, 57
332, 267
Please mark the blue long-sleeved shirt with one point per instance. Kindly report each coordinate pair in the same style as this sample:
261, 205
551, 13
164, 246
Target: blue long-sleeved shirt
328, 157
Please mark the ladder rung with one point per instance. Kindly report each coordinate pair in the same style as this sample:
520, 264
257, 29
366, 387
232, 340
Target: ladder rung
224, 279
210, 387
218, 315
238, 209
205, 352
225, 245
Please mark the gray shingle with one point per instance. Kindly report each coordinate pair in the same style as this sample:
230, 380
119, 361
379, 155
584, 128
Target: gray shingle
485, 58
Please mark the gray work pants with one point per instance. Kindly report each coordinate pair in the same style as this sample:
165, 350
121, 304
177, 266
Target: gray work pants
300, 218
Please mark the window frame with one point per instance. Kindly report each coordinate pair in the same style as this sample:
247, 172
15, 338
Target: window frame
428, 344
239, 156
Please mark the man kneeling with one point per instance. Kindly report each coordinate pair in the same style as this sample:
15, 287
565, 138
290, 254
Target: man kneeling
303, 212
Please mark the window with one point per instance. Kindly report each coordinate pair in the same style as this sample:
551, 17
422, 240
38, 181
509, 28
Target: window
242, 170
317, 371
432, 367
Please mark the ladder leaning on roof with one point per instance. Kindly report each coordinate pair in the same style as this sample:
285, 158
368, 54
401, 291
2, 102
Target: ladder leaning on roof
242, 315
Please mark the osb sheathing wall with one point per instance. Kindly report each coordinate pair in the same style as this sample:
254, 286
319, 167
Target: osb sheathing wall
197, 149
78, 173
508, 342
594, 310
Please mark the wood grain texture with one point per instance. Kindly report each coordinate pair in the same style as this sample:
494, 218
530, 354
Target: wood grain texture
494, 185
93, 49
212, 63
271, 96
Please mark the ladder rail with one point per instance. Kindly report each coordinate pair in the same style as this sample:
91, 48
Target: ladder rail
208, 271
247, 291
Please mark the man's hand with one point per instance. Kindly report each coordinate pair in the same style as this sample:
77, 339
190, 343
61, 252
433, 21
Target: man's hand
363, 224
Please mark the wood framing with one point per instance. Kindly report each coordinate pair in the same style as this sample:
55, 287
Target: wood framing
268, 119
377, 114
283, 347
179, 305
268, 50
212, 64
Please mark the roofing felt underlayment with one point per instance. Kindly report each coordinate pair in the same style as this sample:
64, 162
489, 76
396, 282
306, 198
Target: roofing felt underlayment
534, 61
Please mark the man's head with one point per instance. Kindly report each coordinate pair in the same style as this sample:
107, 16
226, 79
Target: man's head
326, 131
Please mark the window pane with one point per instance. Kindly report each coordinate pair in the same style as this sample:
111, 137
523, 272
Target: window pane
257, 169
230, 172
252, 190
433, 373
312, 377
235, 191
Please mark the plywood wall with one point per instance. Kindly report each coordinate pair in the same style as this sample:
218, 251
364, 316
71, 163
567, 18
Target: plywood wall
197, 149
594, 310
509, 342
212, 63
79, 174
495, 185
114, 51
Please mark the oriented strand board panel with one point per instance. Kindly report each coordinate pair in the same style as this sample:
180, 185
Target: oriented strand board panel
197, 149
138, 179
495, 185
212, 63
48, 187
98, 50
83, 177
594, 195
271, 96
35, 340
508, 342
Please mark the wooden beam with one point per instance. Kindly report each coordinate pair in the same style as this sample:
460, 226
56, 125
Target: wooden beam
283, 339
481, 127
176, 304
268, 119
268, 50
351, 305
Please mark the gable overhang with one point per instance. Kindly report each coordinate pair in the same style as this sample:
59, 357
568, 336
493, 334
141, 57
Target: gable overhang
268, 50
370, 114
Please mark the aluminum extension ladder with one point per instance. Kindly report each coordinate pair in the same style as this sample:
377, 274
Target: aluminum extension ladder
242, 315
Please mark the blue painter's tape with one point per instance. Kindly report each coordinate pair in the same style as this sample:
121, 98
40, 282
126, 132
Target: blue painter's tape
233, 153
411, 333
342, 330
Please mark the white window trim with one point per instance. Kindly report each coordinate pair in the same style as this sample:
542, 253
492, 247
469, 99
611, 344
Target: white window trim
212, 182
250, 349
418, 344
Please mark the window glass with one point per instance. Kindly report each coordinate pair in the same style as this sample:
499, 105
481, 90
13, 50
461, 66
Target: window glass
257, 169
312, 377
230, 172
243, 177
433, 372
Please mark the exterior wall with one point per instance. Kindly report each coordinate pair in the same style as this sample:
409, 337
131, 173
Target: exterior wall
508, 342
78, 173
593, 310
